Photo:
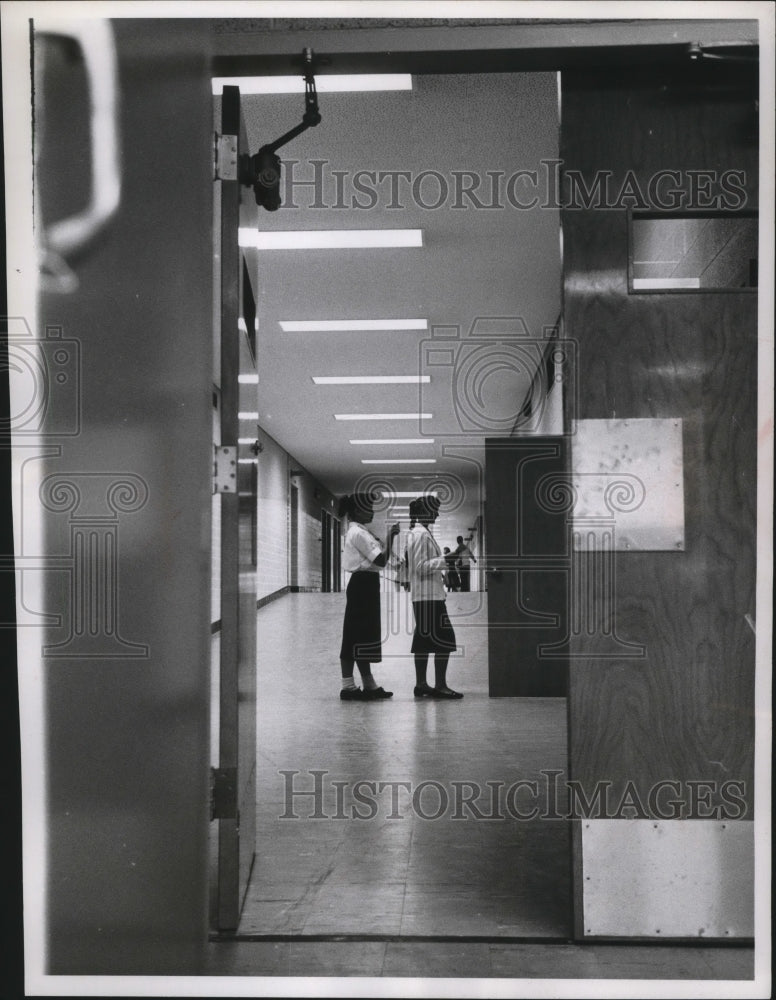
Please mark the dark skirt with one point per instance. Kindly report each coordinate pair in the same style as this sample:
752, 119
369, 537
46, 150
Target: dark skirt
433, 631
361, 630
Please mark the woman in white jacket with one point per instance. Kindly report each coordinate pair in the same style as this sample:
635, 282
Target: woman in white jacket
363, 557
433, 631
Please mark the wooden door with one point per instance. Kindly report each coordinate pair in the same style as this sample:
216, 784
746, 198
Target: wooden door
235, 777
336, 552
326, 582
293, 541
685, 711
528, 568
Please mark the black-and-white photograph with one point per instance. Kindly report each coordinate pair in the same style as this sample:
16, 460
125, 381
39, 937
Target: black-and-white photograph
389, 436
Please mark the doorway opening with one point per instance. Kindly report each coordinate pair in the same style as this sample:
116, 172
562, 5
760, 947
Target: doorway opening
484, 846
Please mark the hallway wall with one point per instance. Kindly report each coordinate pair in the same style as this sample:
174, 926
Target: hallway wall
276, 468
273, 520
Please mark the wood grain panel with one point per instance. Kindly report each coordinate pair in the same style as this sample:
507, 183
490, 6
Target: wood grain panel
684, 712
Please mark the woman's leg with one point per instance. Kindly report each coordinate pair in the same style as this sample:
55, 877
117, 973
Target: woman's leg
372, 689
440, 669
440, 677
346, 669
422, 687
349, 690
365, 669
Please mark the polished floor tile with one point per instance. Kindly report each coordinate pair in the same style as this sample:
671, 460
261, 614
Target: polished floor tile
391, 816
443, 960
422, 964
601, 961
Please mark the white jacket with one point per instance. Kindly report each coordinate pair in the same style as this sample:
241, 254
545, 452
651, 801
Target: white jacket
360, 550
426, 565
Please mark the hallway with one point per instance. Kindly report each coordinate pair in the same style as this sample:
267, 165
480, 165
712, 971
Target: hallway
413, 897
399, 872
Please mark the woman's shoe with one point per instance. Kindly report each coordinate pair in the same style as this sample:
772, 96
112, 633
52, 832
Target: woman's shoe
424, 691
376, 693
352, 694
446, 692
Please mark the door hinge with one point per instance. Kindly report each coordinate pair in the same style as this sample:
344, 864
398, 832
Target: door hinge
225, 469
223, 793
225, 156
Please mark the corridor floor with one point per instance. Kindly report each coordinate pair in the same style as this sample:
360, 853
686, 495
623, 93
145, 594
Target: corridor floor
398, 870
429, 845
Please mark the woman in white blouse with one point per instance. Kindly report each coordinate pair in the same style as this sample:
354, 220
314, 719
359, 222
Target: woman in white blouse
363, 556
433, 631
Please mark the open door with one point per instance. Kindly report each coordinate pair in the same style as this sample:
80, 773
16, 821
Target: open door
234, 791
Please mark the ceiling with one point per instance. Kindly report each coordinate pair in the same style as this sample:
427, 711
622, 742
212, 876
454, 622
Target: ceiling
487, 280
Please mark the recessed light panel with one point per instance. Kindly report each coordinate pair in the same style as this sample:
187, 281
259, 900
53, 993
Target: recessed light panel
347, 325
335, 84
370, 379
382, 416
408, 493
392, 440
329, 239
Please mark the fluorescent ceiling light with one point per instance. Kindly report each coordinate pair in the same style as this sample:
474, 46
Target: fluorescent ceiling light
248, 379
329, 239
361, 325
334, 84
246, 440
398, 461
247, 416
405, 493
392, 440
382, 416
246, 461
370, 379
646, 284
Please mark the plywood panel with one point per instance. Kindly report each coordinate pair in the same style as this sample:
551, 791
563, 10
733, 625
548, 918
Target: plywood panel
685, 709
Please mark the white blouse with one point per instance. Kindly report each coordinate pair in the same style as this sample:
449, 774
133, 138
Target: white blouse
360, 550
426, 564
